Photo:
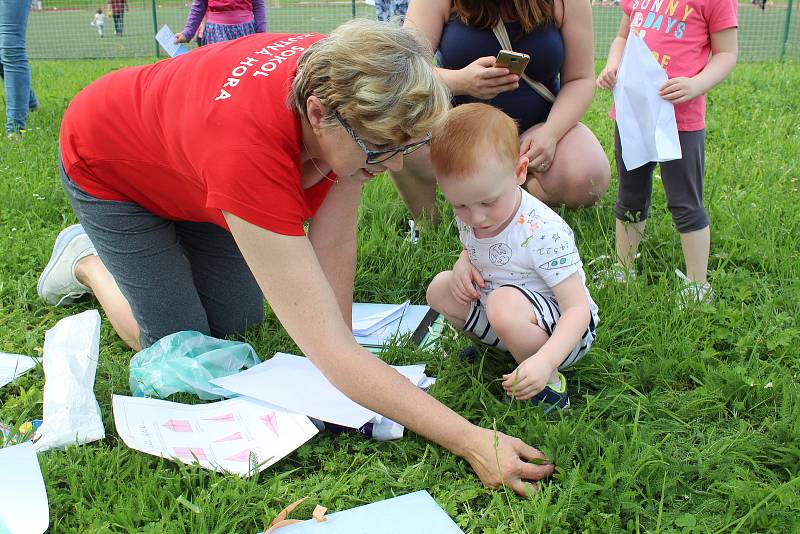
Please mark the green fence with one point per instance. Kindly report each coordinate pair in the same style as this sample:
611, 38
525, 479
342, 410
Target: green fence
62, 28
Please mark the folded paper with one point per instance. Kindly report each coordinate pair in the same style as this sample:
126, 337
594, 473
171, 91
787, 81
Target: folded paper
646, 122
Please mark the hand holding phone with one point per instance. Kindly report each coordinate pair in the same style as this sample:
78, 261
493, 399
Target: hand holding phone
515, 62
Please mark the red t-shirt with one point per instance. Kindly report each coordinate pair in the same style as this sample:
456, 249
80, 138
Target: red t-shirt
189, 137
678, 33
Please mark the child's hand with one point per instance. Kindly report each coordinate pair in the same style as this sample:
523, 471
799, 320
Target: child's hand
608, 77
528, 379
680, 90
180, 38
465, 276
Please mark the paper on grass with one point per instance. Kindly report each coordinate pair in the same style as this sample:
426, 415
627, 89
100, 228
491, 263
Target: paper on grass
13, 365
220, 435
295, 384
646, 122
413, 318
366, 325
415, 513
23, 499
70, 411
166, 39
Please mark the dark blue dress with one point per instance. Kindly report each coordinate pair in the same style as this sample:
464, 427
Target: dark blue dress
460, 45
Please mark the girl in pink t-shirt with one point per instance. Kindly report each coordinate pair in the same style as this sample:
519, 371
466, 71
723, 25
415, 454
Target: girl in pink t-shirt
681, 34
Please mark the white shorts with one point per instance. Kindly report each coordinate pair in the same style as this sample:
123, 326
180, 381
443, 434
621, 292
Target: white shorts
547, 316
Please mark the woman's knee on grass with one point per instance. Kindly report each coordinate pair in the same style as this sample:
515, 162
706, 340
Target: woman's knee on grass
579, 174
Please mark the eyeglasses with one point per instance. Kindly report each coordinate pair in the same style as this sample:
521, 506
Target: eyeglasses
383, 154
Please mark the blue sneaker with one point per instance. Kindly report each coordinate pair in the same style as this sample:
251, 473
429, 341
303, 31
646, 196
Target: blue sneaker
552, 399
468, 354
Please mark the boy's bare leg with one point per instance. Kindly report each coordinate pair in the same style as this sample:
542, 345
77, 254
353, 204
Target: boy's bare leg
91, 272
628, 237
511, 315
441, 299
696, 247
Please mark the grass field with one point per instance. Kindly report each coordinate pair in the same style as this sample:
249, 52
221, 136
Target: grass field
66, 33
682, 422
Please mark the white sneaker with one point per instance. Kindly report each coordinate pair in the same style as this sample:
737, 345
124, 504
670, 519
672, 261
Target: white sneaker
616, 273
693, 293
57, 285
413, 232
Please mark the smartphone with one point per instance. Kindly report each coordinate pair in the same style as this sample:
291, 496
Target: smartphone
513, 61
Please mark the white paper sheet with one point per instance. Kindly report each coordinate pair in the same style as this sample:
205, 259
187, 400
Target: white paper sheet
406, 324
13, 365
70, 411
166, 38
364, 326
646, 122
295, 384
220, 435
414, 513
23, 499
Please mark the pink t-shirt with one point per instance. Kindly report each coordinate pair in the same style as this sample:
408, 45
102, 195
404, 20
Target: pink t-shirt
678, 32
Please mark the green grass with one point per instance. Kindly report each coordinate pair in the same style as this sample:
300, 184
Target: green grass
65, 33
682, 422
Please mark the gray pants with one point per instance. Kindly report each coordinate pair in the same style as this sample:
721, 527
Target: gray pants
682, 179
176, 275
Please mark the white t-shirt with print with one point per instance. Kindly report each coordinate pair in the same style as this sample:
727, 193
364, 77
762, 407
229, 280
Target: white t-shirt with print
536, 251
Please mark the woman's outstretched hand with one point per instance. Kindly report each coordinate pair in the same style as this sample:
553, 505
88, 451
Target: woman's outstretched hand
499, 459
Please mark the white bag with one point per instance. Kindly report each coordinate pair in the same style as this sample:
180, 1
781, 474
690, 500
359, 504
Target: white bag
646, 122
71, 414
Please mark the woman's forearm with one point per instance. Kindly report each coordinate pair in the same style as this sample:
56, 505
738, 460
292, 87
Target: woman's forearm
368, 381
572, 101
451, 79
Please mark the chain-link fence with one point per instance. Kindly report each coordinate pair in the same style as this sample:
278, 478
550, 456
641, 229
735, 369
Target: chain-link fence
63, 29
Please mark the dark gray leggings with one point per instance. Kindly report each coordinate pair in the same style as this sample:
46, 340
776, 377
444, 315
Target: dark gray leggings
683, 184
175, 275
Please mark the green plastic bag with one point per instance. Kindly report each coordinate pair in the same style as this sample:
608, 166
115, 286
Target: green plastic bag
187, 362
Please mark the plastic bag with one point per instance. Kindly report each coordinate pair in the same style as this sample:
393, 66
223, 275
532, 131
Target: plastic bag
70, 411
186, 362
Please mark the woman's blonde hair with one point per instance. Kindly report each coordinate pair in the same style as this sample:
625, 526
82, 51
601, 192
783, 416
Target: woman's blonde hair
378, 76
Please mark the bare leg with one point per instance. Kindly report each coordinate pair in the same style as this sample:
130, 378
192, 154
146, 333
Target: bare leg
579, 174
511, 315
628, 236
416, 183
441, 299
91, 272
696, 246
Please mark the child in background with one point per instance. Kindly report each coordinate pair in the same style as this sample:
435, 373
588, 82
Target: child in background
99, 22
681, 37
518, 284
225, 20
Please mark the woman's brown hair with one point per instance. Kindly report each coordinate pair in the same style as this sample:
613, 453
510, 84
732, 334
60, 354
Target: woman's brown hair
484, 14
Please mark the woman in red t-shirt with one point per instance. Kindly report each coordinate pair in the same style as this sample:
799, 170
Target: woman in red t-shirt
183, 230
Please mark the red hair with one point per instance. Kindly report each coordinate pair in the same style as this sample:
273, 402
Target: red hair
468, 134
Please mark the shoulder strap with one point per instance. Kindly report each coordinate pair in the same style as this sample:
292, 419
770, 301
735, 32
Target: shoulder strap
505, 43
